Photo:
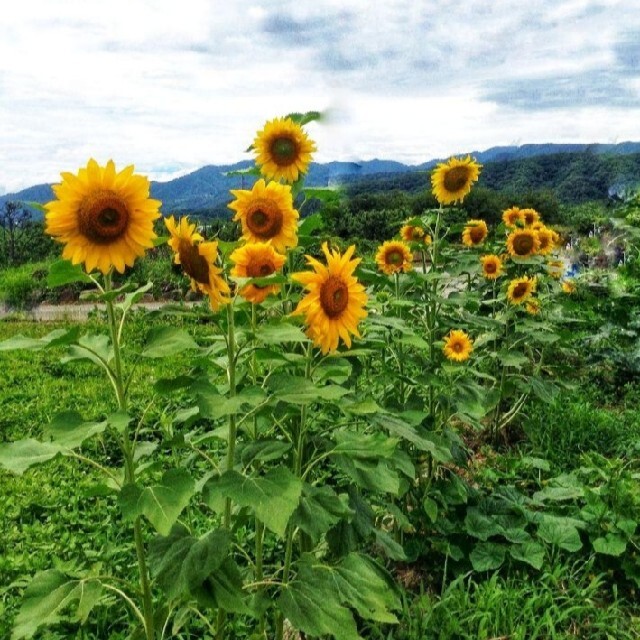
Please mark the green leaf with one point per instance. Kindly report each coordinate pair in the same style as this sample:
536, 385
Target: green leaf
511, 359
273, 497
314, 222
57, 338
430, 508
560, 532
50, 595
558, 494
372, 475
361, 407
161, 504
487, 556
168, 341
132, 298
366, 446
68, 429
64, 272
299, 390
262, 450
480, 525
225, 587
96, 348
20, 455
213, 405
320, 508
277, 333
530, 552
610, 545
305, 118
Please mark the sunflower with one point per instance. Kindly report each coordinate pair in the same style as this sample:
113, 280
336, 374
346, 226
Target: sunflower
475, 233
521, 289
198, 260
283, 150
511, 217
555, 268
451, 181
335, 300
412, 233
569, 286
393, 257
545, 239
522, 243
104, 219
457, 346
256, 260
491, 266
531, 216
266, 213
532, 307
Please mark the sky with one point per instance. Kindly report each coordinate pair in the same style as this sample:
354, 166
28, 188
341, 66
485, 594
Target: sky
173, 85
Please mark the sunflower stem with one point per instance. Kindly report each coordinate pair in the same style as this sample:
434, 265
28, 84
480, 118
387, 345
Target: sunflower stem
128, 452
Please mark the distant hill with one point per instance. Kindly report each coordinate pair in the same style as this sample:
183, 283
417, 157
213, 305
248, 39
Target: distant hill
575, 172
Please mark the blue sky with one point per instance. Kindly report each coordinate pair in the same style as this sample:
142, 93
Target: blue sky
171, 86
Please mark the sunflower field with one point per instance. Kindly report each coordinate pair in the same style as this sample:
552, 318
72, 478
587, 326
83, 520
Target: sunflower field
331, 444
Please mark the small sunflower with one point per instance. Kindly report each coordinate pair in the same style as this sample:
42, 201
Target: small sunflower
451, 181
555, 268
492, 267
511, 217
522, 243
283, 150
569, 286
393, 257
521, 289
104, 219
458, 345
412, 233
532, 307
335, 300
427, 239
475, 232
266, 213
545, 239
531, 216
256, 260
198, 260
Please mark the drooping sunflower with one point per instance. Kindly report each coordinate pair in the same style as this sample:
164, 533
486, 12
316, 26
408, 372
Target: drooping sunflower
521, 289
256, 260
283, 150
511, 217
556, 268
492, 267
568, 286
451, 181
266, 213
412, 233
394, 256
475, 233
522, 243
531, 216
532, 307
545, 238
334, 304
198, 260
104, 219
457, 345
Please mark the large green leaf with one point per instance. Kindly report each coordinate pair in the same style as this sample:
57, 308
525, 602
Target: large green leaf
160, 504
610, 545
487, 556
366, 446
277, 333
300, 390
273, 497
530, 552
560, 532
320, 508
168, 341
214, 405
57, 338
68, 429
480, 525
375, 475
65, 272
20, 455
49, 596
96, 348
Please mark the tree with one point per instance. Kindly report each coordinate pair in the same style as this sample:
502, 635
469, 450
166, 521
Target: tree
13, 219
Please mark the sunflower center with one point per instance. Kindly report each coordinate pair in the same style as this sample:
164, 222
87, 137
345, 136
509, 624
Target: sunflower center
265, 220
284, 150
520, 290
476, 234
395, 257
490, 267
417, 233
456, 178
334, 296
103, 217
193, 264
523, 244
259, 270
457, 347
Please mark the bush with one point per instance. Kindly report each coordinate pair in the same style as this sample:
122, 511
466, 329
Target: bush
22, 287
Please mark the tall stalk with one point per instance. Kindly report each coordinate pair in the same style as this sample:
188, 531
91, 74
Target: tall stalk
129, 468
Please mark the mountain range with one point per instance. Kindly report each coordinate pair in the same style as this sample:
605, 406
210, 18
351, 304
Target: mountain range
207, 188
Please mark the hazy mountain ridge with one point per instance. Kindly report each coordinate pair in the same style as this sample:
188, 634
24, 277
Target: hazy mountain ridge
208, 188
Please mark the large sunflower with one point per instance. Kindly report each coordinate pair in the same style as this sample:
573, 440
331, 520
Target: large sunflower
511, 217
412, 233
531, 216
335, 300
283, 150
256, 260
104, 219
492, 267
474, 233
394, 256
451, 181
521, 289
457, 345
266, 213
522, 243
198, 260
545, 239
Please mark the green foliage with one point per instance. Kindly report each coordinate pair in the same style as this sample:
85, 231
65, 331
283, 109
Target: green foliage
23, 287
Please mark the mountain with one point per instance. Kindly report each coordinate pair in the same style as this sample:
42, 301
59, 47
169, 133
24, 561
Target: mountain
207, 189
